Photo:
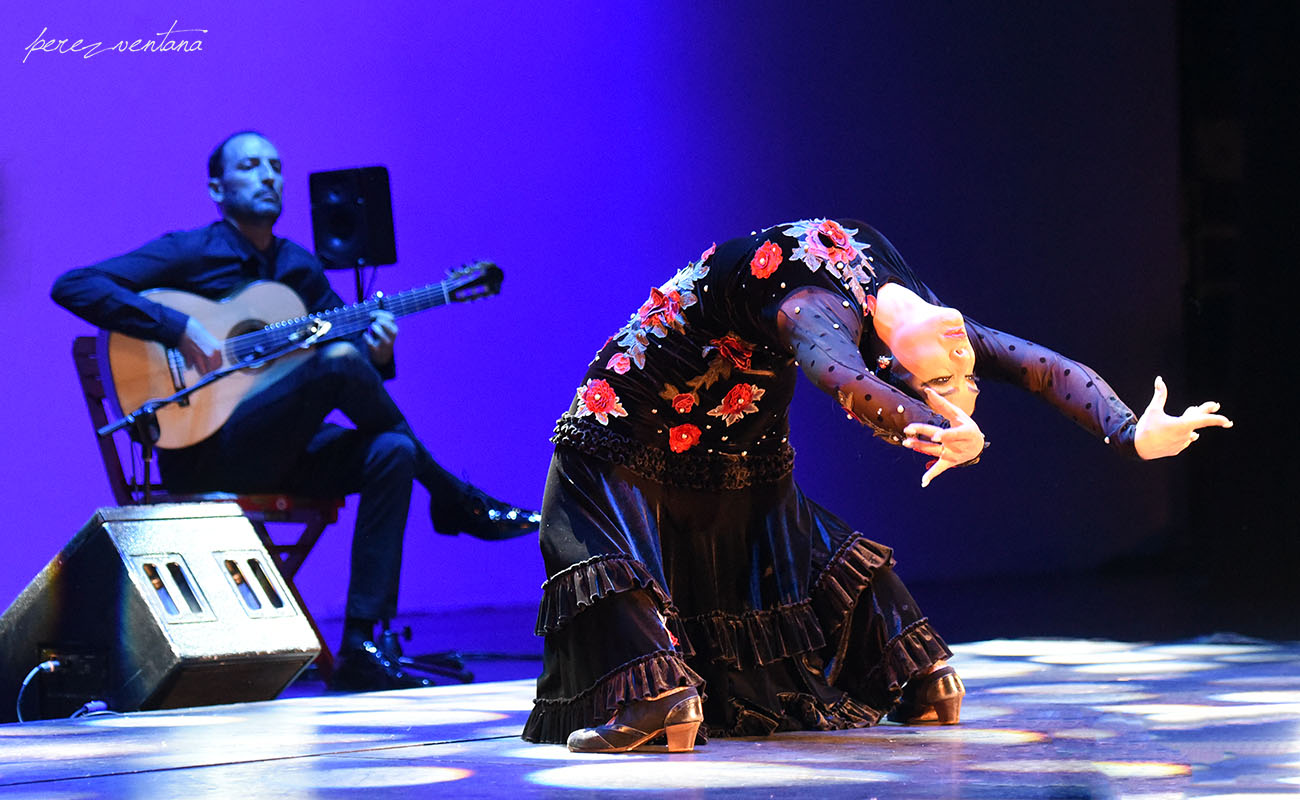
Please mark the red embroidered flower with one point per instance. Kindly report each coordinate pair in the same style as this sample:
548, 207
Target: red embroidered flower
597, 398
824, 241
705, 255
683, 403
620, 363
662, 311
832, 230
767, 259
735, 349
683, 438
841, 250
738, 402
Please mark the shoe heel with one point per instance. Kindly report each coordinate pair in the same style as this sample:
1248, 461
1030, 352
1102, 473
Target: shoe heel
682, 722
681, 737
948, 692
948, 711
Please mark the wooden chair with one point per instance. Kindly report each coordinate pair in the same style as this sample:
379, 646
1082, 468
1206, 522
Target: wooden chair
309, 516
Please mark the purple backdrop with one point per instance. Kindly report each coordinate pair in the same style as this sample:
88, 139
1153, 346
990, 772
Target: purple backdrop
1021, 155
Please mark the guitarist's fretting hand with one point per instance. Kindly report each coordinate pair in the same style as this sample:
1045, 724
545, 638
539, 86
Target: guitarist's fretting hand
380, 337
200, 348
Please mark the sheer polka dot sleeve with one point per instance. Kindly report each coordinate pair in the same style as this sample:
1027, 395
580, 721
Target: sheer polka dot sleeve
823, 334
1073, 388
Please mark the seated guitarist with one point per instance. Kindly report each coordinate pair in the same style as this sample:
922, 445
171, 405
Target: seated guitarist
276, 439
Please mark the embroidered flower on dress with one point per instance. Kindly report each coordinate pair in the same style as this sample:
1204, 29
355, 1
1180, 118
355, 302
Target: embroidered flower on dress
597, 398
662, 312
620, 363
733, 348
738, 402
825, 241
766, 260
683, 403
683, 438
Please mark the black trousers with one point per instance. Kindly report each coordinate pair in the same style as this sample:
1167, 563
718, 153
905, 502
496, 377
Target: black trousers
278, 441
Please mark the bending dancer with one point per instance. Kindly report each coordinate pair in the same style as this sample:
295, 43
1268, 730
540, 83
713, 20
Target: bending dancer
276, 439
690, 579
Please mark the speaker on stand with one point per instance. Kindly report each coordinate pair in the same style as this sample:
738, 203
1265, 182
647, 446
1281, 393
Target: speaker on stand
352, 228
352, 219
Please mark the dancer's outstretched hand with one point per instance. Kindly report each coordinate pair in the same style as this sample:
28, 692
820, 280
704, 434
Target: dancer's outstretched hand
1160, 435
961, 442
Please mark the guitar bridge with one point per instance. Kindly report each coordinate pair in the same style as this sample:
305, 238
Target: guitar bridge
176, 366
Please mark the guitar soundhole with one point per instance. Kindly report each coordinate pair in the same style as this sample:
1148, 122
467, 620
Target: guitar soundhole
251, 347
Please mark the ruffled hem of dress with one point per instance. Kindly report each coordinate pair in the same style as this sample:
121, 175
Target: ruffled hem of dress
909, 653
699, 471
840, 585
552, 720
862, 705
566, 593
799, 711
756, 638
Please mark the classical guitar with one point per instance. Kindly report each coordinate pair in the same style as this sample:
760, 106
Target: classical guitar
256, 322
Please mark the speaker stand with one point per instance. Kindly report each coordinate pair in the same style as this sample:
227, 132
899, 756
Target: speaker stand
447, 664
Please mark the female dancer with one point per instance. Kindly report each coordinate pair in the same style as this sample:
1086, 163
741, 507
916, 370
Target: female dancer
690, 579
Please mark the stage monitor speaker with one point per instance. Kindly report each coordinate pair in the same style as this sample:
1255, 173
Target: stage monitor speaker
149, 607
352, 217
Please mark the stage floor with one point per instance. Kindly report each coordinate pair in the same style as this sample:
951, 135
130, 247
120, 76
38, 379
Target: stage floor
1043, 718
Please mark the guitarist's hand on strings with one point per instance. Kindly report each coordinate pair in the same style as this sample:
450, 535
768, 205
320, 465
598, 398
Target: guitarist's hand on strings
380, 337
200, 348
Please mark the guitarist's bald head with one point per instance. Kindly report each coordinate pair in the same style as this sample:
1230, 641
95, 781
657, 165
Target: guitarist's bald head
217, 158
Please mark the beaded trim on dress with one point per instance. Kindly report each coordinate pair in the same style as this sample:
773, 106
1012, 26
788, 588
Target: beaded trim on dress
703, 471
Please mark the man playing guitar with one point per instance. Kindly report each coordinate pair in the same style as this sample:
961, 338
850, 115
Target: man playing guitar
274, 438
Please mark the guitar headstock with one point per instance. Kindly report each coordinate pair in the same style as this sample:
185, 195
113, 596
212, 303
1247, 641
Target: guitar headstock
473, 281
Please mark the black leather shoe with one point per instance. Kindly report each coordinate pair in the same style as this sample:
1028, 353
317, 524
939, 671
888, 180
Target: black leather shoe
482, 516
369, 669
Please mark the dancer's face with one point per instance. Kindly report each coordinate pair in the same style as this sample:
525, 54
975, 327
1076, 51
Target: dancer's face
931, 350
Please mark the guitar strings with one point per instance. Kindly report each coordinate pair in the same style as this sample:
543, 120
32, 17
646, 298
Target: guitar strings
345, 320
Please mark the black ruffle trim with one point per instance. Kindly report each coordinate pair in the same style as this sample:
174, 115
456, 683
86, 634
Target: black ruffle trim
840, 585
552, 720
909, 653
566, 593
701, 471
799, 712
748, 640
756, 638
860, 705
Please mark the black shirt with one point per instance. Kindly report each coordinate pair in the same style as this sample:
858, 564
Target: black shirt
212, 261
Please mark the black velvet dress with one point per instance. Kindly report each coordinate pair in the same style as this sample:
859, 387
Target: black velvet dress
680, 550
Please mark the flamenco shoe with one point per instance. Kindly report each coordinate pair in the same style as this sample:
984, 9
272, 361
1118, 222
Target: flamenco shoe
931, 698
676, 714
484, 517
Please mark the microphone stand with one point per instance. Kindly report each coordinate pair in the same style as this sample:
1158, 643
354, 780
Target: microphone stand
142, 423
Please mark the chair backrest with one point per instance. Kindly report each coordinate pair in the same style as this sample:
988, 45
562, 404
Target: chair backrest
96, 388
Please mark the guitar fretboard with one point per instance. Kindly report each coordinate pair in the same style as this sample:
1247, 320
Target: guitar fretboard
353, 319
